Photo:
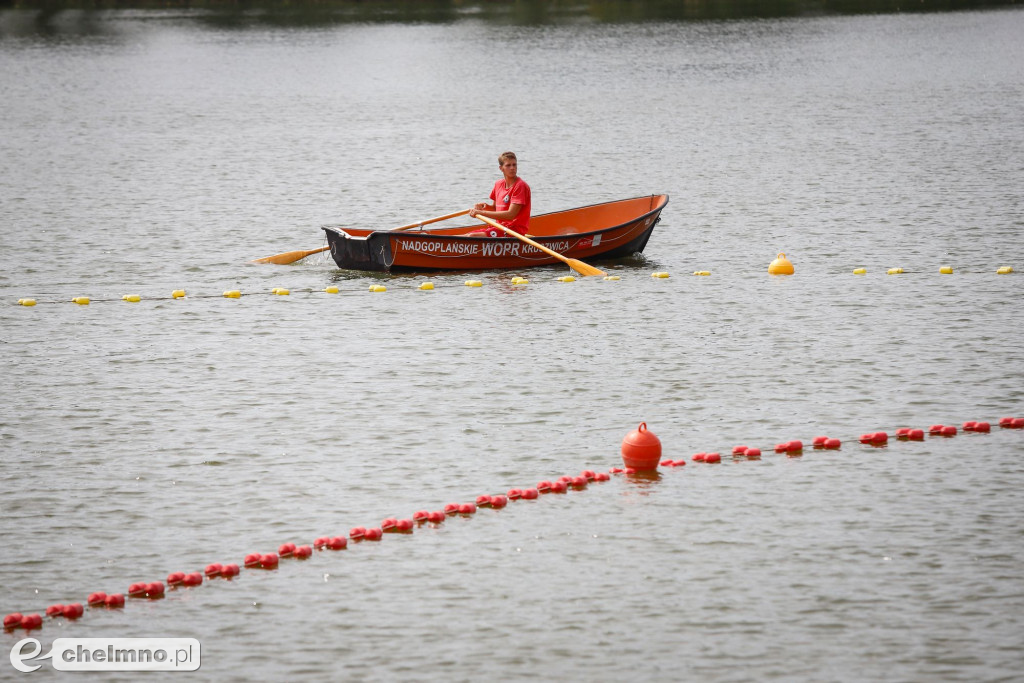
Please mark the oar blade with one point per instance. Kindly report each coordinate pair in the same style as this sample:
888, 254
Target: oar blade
289, 256
584, 269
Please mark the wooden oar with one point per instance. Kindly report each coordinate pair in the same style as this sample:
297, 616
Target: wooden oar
293, 256
579, 266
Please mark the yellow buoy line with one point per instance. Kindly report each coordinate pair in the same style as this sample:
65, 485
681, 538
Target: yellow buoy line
780, 266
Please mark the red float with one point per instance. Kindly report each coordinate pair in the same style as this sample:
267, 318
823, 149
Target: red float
949, 430
544, 486
286, 549
114, 601
515, 494
451, 509
389, 524
641, 449
269, 561
436, 517
578, 483
531, 494
229, 570
12, 621
712, 458
589, 474
73, 611
54, 611
483, 501
303, 552
373, 534
213, 570
251, 560
420, 516
916, 435
982, 427
175, 578
833, 444
603, 476
499, 502
699, 457
357, 533
558, 487
137, 590
752, 453
794, 446
404, 526
936, 429
467, 509
31, 621
739, 450
337, 543
193, 579
96, 599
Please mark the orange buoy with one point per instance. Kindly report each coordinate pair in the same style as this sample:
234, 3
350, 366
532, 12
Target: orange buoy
641, 449
780, 266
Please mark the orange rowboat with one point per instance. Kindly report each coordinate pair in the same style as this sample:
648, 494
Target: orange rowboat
600, 231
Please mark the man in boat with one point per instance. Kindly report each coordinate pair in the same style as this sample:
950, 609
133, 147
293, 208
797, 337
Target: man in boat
510, 201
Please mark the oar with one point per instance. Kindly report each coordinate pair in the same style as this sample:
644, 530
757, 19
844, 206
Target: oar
579, 266
293, 256
432, 220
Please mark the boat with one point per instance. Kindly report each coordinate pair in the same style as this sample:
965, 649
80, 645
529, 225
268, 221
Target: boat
598, 231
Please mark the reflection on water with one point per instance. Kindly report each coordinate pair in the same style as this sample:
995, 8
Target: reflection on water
71, 18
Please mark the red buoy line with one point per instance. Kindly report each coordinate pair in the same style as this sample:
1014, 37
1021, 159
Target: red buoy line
641, 452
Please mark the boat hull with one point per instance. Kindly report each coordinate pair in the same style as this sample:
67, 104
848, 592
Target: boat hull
600, 231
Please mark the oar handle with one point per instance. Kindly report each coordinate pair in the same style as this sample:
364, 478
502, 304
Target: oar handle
432, 220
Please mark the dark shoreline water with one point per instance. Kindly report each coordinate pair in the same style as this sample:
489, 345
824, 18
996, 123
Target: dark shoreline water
78, 15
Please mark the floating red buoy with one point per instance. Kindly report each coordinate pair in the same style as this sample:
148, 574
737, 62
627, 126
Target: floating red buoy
712, 457
544, 486
467, 509
229, 570
193, 579
982, 427
949, 430
751, 453
137, 590
12, 621
251, 560
916, 435
114, 601
833, 444
269, 561
436, 517
404, 526
578, 483
589, 474
531, 494
73, 611
31, 621
373, 535
903, 433
286, 549
936, 429
357, 533
96, 599
615, 470
321, 542
499, 501
212, 569
558, 487
483, 501
515, 494
175, 578
420, 516
794, 446
54, 611
303, 552
1011, 422
641, 449
337, 543
389, 524
603, 476
739, 450
969, 426
155, 590
451, 509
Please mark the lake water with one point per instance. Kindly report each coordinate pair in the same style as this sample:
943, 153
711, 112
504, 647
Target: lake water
144, 152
